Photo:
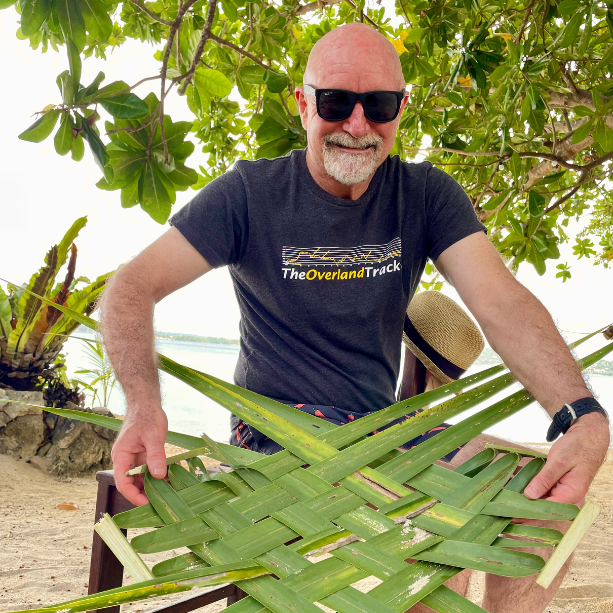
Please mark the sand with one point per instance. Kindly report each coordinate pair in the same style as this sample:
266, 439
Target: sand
44, 552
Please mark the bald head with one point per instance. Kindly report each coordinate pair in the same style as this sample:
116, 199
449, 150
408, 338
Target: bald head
356, 51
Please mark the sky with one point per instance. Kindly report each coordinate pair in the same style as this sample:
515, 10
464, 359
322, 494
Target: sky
41, 194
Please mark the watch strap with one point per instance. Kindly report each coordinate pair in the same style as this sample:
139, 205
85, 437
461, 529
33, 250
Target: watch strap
566, 416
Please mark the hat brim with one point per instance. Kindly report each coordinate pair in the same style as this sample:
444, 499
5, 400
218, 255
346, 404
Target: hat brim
432, 368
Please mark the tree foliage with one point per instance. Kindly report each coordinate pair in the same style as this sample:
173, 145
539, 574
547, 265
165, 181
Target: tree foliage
514, 98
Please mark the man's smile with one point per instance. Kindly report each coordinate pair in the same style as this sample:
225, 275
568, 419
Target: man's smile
353, 150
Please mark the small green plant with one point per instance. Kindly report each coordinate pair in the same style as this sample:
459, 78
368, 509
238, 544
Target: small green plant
32, 333
100, 378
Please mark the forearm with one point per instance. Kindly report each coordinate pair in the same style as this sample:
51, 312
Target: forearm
521, 331
127, 327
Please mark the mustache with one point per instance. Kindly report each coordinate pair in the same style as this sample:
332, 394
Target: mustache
343, 139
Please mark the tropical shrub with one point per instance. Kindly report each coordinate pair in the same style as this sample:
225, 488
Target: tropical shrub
32, 333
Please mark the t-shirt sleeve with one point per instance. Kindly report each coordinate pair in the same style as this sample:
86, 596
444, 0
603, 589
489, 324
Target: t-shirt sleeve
215, 221
449, 211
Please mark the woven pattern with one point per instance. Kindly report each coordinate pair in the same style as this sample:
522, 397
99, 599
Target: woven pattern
269, 515
334, 490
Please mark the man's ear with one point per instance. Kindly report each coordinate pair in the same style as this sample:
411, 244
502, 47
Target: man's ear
301, 101
403, 103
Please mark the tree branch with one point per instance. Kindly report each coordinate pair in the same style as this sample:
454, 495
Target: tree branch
566, 150
227, 43
163, 93
287, 110
584, 179
206, 34
486, 187
524, 22
313, 6
495, 154
129, 89
568, 124
137, 128
151, 14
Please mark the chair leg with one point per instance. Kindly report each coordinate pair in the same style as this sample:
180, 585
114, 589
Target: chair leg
106, 571
236, 595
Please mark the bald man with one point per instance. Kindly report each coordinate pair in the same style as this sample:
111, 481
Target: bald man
326, 247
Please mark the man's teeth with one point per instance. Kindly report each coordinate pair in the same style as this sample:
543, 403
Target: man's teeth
350, 147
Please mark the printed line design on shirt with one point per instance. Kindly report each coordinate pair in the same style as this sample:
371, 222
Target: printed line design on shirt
339, 256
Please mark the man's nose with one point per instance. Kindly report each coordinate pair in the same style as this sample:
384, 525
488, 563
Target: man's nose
356, 124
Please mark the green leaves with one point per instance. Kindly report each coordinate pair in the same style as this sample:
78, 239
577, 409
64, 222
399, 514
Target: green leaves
609, 18
71, 21
98, 150
564, 272
583, 131
41, 128
33, 14
63, 137
143, 175
124, 106
96, 18
568, 7
583, 248
276, 83
212, 82
569, 34
533, 109
603, 135
154, 193
536, 203
74, 61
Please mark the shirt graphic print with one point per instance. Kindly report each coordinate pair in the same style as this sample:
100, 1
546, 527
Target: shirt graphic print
341, 264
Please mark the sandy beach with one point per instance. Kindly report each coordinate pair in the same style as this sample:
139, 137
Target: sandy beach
44, 551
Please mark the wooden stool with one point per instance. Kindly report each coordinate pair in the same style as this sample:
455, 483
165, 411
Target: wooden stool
106, 571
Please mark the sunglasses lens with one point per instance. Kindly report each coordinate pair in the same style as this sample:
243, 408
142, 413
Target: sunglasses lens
381, 106
335, 105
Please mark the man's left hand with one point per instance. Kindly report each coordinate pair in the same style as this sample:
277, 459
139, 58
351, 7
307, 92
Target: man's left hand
573, 461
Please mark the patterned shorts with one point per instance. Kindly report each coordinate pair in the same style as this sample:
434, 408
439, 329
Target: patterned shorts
244, 435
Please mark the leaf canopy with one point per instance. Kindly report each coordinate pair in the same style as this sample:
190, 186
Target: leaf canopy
515, 100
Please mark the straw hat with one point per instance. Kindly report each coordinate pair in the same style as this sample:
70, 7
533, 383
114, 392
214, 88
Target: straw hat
441, 335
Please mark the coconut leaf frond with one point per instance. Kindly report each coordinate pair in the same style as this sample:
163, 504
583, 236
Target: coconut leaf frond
334, 490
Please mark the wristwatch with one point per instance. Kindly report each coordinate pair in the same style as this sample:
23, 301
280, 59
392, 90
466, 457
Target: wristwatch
565, 418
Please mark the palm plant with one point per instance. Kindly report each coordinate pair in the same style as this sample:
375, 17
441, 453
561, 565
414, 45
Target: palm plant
32, 331
333, 490
100, 378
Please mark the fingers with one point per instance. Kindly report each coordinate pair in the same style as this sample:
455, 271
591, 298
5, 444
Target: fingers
140, 441
156, 456
559, 483
128, 486
544, 481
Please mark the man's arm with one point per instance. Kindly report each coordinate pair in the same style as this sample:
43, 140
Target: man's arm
127, 326
521, 331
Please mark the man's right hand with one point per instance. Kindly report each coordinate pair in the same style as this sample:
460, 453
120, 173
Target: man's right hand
140, 441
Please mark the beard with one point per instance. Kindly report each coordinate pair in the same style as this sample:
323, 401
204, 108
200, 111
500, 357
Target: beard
351, 168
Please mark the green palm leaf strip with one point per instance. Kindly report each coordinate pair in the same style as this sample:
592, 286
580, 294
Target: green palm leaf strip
238, 524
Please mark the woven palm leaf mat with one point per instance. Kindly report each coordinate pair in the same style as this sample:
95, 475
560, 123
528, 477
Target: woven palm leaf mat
396, 516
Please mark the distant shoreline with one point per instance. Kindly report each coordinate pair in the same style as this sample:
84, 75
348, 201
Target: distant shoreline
178, 336
193, 338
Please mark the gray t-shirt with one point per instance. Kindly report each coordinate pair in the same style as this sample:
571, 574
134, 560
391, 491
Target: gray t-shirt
323, 283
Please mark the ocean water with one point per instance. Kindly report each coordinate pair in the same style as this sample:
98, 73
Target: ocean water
192, 413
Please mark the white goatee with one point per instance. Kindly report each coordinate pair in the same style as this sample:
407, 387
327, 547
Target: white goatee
351, 168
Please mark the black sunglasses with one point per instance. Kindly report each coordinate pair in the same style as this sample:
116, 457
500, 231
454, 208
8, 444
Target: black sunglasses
337, 104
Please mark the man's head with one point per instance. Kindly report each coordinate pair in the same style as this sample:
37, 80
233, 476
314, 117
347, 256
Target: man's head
356, 58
